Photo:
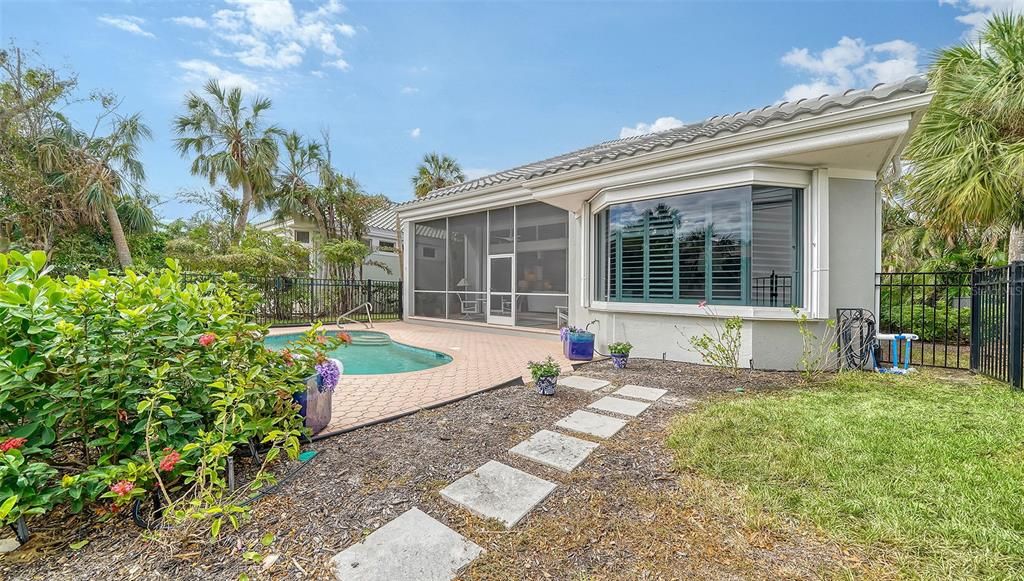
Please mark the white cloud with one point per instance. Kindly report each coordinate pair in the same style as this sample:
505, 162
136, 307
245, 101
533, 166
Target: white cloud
851, 63
276, 34
415, 133
977, 12
190, 21
409, 90
660, 124
258, 56
318, 74
132, 24
474, 173
340, 64
198, 71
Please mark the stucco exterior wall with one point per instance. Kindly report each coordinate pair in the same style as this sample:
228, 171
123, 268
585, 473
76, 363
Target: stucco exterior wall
853, 245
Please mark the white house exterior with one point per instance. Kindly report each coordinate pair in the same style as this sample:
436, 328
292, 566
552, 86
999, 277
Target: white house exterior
380, 238
754, 213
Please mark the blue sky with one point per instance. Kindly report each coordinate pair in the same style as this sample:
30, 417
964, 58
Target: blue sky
493, 84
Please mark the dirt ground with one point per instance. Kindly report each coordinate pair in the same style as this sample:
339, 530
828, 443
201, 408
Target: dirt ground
624, 514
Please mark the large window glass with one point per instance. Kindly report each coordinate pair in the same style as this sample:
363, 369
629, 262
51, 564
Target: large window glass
732, 246
529, 245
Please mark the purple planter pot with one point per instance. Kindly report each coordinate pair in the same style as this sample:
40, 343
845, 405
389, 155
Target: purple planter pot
546, 385
620, 361
314, 405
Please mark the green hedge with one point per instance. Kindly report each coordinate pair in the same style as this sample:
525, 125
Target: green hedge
940, 324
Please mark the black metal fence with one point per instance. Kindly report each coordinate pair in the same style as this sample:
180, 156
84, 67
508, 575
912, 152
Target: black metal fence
774, 290
997, 338
302, 301
935, 306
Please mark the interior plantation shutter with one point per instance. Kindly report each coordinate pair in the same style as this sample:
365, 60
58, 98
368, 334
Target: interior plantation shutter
631, 260
662, 254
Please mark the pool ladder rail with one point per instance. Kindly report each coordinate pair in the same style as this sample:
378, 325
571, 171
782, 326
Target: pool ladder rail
344, 317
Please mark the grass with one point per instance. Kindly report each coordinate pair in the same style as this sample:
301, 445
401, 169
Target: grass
925, 471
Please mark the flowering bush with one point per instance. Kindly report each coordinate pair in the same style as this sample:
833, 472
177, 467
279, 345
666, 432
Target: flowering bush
118, 387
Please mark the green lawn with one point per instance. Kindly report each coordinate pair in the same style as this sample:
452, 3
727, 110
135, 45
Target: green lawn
926, 473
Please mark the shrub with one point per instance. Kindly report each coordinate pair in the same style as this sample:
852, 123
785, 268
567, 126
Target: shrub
941, 323
122, 386
719, 345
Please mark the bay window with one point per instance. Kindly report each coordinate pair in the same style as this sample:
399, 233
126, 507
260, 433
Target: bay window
735, 246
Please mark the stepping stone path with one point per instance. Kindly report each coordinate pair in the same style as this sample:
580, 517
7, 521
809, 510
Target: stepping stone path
626, 407
555, 450
497, 491
413, 546
638, 392
590, 423
584, 383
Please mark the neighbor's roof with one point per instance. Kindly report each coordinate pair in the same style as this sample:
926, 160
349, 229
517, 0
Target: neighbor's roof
383, 219
709, 128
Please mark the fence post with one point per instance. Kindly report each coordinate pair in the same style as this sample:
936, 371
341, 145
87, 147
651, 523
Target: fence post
369, 292
975, 320
1016, 355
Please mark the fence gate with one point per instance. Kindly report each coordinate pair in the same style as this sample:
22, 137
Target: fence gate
966, 320
997, 314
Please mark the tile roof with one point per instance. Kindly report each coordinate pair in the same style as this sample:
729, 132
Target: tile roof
709, 128
383, 219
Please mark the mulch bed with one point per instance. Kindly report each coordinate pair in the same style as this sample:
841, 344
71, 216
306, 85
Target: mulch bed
625, 513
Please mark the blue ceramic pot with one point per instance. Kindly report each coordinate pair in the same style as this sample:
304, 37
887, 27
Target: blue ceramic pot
619, 360
546, 385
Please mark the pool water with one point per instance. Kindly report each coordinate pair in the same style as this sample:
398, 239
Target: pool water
375, 358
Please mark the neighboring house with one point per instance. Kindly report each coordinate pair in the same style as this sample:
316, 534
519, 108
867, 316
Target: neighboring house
753, 213
380, 238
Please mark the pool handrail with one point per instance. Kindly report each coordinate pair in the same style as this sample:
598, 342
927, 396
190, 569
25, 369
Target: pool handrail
369, 321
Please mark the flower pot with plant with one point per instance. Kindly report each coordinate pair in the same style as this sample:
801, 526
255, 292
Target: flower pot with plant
545, 375
620, 353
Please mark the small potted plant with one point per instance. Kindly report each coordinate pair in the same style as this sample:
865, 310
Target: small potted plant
545, 375
620, 353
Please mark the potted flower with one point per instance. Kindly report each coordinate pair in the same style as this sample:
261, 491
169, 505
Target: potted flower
545, 375
620, 353
315, 400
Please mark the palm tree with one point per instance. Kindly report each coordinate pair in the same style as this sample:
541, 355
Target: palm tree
105, 174
434, 172
295, 191
230, 141
968, 152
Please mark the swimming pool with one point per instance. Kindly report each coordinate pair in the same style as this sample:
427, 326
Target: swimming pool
373, 353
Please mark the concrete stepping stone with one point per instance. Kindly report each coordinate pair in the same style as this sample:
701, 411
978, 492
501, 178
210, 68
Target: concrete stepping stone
640, 392
584, 383
497, 491
617, 405
555, 450
591, 423
413, 546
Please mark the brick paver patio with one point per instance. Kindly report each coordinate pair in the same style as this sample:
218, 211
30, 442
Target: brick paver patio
480, 360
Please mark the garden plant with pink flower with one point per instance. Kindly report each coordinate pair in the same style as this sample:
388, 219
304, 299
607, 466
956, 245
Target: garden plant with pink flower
120, 387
